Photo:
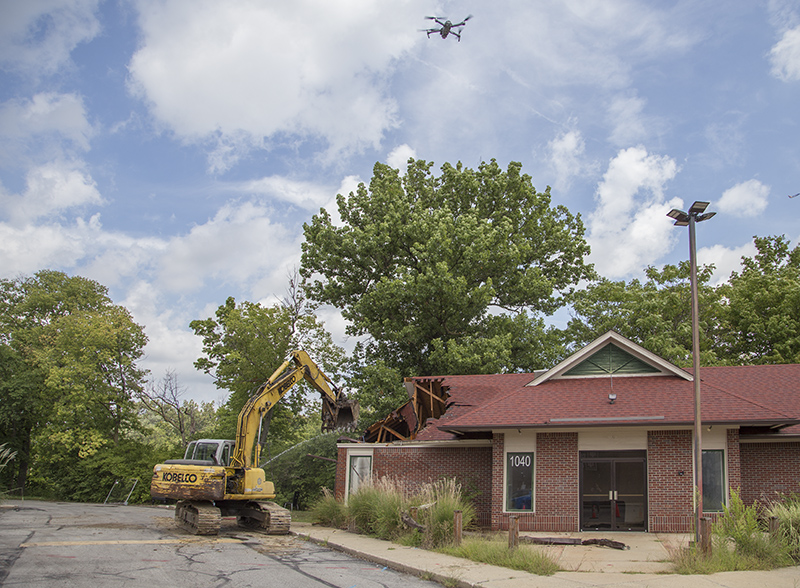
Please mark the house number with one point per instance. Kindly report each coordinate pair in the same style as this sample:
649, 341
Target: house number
521, 461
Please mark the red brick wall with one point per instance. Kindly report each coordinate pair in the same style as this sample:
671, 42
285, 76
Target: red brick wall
471, 466
670, 494
498, 464
734, 460
556, 478
340, 480
769, 469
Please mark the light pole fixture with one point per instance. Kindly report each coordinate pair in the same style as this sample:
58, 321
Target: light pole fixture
697, 213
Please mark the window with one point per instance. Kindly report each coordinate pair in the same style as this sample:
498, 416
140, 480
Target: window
360, 471
713, 480
519, 481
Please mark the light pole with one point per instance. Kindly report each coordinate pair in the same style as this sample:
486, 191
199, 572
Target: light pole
695, 215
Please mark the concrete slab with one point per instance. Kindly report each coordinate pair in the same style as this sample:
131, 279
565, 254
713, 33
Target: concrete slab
644, 564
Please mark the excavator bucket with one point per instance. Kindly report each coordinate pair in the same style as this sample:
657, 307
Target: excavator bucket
339, 414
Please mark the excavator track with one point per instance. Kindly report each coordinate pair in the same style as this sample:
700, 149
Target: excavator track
197, 517
266, 517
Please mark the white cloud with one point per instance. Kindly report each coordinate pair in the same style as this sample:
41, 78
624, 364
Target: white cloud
565, 157
36, 38
51, 189
399, 156
785, 56
725, 259
243, 72
744, 200
46, 113
240, 246
629, 228
172, 345
307, 195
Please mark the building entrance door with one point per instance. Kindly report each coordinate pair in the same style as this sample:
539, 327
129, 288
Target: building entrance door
613, 490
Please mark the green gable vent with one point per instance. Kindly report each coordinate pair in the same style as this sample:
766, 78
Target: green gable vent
611, 360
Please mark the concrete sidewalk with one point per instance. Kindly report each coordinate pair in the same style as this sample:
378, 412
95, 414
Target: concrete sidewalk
644, 564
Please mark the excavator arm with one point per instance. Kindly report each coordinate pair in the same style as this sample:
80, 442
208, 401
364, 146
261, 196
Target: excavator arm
337, 410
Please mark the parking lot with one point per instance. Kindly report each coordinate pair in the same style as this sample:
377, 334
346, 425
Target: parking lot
47, 544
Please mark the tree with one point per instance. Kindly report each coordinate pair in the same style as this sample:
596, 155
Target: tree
69, 368
762, 305
246, 343
186, 420
441, 273
656, 314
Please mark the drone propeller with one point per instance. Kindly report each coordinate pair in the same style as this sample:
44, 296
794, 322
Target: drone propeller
435, 17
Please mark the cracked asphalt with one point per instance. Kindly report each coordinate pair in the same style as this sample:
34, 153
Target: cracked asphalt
49, 544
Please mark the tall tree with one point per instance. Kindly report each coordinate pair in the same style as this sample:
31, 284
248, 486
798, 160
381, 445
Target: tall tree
656, 313
762, 305
443, 273
245, 343
70, 356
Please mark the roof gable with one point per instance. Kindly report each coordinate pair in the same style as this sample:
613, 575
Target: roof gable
611, 355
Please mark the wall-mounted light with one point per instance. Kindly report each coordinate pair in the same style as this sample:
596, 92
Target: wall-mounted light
611, 398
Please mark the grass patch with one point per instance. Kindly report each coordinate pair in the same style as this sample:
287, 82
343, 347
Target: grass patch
496, 552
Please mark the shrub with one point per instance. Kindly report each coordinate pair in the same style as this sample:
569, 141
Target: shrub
329, 511
444, 498
787, 512
740, 542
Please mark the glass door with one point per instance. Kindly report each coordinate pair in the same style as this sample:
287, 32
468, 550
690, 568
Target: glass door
613, 491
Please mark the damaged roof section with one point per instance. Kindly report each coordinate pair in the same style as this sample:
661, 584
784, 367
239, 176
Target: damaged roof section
427, 400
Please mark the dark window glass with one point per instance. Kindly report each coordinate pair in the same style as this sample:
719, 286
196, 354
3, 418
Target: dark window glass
519, 473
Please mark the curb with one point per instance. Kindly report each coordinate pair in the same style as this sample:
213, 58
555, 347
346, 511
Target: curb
387, 563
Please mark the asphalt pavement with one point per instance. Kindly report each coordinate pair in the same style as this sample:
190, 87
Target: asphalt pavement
645, 563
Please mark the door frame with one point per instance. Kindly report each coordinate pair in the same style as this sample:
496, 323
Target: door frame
612, 457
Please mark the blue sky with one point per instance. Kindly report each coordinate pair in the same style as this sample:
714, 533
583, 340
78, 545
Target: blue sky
172, 149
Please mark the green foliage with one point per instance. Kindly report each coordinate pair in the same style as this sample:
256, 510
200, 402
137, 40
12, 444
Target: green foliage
656, 313
90, 478
376, 508
170, 419
496, 552
6, 455
762, 305
442, 498
298, 476
424, 265
741, 542
329, 512
69, 369
787, 512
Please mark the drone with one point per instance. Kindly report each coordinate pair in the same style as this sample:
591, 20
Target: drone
446, 27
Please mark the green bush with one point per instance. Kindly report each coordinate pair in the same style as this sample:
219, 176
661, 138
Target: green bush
444, 498
740, 542
377, 509
787, 512
329, 512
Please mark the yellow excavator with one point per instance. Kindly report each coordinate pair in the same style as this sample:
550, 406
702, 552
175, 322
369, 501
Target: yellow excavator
220, 477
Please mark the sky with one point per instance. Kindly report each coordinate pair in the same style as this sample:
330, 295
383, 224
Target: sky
173, 149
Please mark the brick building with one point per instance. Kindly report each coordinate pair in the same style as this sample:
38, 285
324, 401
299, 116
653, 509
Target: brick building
604, 440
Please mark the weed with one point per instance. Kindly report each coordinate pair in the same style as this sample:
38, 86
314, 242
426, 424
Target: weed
740, 542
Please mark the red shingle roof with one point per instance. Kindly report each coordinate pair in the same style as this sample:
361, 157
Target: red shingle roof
745, 395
